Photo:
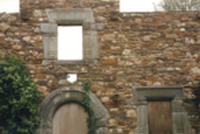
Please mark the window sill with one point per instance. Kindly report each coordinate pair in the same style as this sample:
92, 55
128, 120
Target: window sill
67, 62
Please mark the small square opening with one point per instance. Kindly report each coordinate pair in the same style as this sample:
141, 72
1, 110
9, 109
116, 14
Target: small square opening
72, 78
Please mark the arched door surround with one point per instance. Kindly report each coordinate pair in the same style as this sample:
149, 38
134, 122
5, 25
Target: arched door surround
67, 95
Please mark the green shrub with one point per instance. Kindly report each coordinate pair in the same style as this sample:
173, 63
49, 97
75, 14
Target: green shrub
18, 97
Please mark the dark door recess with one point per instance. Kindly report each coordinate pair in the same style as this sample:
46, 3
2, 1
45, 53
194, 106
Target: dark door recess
160, 117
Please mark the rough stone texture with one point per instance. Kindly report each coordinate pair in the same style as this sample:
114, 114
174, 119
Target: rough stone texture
135, 49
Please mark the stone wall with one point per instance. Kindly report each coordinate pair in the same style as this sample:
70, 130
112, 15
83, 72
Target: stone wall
135, 49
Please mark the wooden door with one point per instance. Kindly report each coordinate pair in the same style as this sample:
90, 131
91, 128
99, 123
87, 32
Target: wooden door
70, 119
160, 117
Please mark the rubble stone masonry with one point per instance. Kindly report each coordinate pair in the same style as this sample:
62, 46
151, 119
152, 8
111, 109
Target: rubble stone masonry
135, 50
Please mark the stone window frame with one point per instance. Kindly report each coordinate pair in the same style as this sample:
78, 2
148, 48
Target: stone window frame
180, 123
75, 16
68, 94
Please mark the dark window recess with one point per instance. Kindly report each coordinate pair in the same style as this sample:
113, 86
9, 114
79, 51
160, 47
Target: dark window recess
159, 117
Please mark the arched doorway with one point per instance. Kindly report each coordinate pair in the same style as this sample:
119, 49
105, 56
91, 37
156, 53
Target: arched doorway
70, 118
57, 100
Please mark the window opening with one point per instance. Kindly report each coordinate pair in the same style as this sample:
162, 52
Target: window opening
70, 43
9, 6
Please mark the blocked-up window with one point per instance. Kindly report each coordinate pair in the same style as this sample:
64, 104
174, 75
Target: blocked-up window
9, 6
70, 43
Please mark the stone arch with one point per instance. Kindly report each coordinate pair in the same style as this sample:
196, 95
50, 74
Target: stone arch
66, 95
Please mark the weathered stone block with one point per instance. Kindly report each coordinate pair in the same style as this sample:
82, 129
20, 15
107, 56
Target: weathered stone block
50, 47
142, 120
143, 93
49, 28
85, 14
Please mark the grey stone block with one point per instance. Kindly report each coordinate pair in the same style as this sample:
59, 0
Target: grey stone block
91, 48
186, 124
181, 123
70, 15
50, 47
177, 106
86, 26
49, 28
177, 123
158, 93
142, 120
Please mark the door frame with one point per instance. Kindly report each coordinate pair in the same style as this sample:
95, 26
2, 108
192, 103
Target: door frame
180, 122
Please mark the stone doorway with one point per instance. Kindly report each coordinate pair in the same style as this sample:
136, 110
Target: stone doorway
63, 104
167, 100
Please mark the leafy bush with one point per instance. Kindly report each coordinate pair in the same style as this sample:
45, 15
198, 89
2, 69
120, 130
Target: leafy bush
18, 97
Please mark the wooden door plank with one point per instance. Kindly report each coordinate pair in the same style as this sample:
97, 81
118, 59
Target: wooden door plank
159, 117
70, 119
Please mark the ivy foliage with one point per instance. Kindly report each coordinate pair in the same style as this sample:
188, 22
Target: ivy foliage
92, 120
18, 97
